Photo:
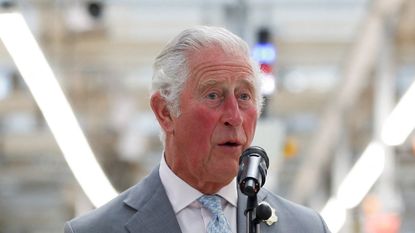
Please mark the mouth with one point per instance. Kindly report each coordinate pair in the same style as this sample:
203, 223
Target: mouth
230, 144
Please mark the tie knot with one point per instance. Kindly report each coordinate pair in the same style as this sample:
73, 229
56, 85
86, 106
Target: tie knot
212, 203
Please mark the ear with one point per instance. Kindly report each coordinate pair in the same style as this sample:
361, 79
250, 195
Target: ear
163, 115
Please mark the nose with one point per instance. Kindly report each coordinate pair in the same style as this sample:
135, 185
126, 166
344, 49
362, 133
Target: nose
231, 113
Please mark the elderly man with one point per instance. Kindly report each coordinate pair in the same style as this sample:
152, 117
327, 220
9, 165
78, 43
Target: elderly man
206, 99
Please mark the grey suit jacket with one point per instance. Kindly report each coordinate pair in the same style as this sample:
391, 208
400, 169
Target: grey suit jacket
145, 207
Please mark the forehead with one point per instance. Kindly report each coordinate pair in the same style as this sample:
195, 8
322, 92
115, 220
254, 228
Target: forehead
214, 63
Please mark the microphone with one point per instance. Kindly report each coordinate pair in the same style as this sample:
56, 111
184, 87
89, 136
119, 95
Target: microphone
253, 165
263, 212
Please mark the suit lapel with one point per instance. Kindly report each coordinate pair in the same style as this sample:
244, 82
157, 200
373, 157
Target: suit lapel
154, 211
241, 219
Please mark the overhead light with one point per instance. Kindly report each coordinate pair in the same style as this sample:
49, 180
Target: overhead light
362, 176
58, 114
367, 170
334, 214
401, 121
357, 183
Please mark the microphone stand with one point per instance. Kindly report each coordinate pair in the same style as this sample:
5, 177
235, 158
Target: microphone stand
253, 165
252, 225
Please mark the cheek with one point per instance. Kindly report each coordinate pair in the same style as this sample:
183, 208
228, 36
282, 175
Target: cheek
250, 120
199, 125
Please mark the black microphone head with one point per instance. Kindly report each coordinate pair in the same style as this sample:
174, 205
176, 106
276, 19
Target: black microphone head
263, 212
255, 150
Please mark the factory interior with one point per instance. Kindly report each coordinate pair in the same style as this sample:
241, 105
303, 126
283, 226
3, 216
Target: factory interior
76, 127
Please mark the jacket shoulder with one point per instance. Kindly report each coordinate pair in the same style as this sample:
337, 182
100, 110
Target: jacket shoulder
106, 218
113, 216
293, 217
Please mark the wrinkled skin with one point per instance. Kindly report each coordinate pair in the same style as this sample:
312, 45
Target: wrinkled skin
217, 120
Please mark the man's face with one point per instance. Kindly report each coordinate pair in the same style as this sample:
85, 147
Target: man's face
218, 114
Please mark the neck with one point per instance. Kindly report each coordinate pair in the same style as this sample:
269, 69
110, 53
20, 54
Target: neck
197, 181
203, 186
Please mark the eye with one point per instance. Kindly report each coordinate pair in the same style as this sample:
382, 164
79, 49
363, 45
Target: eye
245, 96
212, 96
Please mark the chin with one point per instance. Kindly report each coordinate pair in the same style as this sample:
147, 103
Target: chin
224, 180
231, 172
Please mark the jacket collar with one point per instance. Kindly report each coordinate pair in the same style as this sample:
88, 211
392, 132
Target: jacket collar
154, 212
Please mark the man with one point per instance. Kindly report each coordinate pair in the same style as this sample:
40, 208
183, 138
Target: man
206, 99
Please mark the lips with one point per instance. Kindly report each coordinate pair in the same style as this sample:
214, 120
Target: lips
230, 143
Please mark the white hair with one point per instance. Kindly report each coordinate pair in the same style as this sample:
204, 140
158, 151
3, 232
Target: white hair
171, 67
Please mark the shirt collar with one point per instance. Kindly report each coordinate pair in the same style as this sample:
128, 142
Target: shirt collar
229, 192
181, 194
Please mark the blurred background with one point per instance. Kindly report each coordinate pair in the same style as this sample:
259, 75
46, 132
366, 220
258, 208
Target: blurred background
334, 70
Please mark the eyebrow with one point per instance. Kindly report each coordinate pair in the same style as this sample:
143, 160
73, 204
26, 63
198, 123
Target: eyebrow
206, 84
209, 83
250, 83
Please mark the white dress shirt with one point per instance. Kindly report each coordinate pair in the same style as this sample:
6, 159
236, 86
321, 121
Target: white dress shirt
190, 214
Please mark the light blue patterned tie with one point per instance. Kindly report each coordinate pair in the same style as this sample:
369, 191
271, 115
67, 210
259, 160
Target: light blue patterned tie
218, 223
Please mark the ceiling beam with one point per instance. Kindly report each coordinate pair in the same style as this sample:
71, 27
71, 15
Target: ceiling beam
357, 73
